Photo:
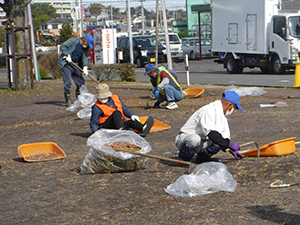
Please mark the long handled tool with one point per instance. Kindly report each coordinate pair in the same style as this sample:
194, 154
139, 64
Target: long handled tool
280, 184
87, 75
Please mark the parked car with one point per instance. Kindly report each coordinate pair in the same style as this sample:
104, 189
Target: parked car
190, 46
41, 48
175, 45
143, 50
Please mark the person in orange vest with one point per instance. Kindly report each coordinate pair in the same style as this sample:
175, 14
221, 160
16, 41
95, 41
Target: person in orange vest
110, 112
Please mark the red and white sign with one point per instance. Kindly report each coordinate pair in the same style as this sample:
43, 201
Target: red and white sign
109, 43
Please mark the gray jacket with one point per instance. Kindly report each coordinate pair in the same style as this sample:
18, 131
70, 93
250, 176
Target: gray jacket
67, 48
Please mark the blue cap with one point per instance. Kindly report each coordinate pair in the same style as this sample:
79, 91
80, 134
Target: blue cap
90, 40
233, 97
149, 67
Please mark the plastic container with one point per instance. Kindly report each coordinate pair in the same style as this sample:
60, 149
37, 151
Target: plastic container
157, 125
276, 148
193, 92
44, 151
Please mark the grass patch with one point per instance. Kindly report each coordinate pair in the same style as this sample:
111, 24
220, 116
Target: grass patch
12, 90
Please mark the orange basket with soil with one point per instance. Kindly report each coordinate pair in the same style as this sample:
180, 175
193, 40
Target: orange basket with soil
38, 152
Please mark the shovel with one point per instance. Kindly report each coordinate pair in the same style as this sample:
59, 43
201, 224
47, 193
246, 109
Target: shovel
277, 105
87, 75
190, 164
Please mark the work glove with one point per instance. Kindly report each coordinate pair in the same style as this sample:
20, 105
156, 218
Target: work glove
135, 118
236, 154
85, 70
156, 92
234, 146
68, 58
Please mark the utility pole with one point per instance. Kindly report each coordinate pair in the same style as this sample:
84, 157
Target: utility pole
143, 22
156, 34
167, 35
76, 18
129, 31
81, 19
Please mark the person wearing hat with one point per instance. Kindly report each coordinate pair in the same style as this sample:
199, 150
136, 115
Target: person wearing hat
74, 50
110, 112
165, 86
207, 132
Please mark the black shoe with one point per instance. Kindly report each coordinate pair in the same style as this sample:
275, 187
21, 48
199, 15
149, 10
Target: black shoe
147, 126
68, 99
198, 160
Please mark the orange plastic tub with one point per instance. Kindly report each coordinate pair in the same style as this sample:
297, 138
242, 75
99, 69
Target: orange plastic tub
157, 126
276, 148
43, 151
193, 92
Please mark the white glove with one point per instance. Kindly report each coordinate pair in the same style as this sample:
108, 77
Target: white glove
135, 118
68, 58
85, 70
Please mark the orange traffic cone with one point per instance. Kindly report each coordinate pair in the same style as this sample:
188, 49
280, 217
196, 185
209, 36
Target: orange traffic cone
297, 74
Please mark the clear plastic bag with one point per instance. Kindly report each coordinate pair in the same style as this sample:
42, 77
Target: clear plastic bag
85, 100
247, 91
207, 178
84, 113
102, 158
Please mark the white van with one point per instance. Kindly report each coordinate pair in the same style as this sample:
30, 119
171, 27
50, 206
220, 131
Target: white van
175, 45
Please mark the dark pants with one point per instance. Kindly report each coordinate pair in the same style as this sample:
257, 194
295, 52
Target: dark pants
187, 154
70, 71
115, 122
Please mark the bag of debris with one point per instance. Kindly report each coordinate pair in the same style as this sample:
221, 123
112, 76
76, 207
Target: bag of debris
103, 158
247, 91
207, 178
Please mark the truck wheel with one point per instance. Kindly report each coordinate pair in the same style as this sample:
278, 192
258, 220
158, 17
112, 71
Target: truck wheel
139, 62
277, 66
192, 55
232, 65
265, 70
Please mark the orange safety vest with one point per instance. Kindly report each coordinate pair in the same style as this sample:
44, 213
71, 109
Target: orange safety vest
107, 110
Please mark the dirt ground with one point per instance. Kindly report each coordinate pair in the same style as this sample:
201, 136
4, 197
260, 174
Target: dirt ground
54, 193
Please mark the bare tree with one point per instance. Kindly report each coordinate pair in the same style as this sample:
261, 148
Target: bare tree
15, 12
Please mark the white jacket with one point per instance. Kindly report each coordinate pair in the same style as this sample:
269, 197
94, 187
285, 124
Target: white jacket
206, 119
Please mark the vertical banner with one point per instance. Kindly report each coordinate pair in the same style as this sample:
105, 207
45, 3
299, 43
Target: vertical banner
109, 44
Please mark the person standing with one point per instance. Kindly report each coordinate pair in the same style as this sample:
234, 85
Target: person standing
165, 86
110, 112
74, 50
207, 132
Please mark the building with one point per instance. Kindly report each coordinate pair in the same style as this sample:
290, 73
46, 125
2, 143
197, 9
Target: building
63, 8
53, 26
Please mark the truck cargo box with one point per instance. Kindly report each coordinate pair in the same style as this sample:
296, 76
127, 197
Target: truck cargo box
241, 26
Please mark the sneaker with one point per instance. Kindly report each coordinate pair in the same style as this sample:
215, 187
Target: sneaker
163, 106
172, 105
147, 126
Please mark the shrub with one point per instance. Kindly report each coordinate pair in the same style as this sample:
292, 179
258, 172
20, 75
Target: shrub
123, 72
49, 62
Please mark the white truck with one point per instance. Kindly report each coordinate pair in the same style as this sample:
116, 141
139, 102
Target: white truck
253, 33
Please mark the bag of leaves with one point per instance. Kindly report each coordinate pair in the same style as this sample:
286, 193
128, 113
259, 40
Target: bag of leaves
102, 158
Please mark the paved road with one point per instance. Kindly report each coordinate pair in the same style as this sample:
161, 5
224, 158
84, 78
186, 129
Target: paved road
207, 72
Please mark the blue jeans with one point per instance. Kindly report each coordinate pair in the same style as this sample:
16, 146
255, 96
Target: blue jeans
172, 94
